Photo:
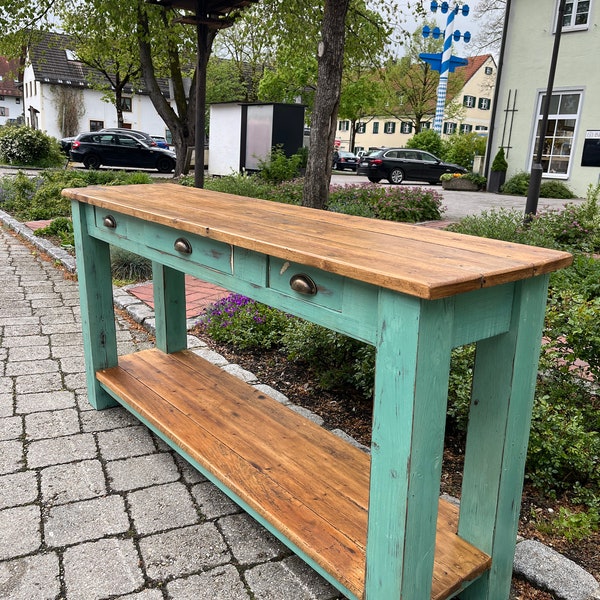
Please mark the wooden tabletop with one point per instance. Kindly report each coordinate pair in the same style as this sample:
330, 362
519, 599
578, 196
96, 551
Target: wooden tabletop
415, 260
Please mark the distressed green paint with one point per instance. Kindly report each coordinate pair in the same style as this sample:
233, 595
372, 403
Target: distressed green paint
411, 386
97, 313
499, 421
169, 308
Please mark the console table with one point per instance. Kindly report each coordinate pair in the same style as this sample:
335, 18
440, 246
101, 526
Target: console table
373, 526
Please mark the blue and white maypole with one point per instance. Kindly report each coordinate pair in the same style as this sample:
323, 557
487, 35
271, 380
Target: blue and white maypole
445, 63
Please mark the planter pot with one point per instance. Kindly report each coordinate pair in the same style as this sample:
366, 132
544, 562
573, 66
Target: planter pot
459, 184
496, 181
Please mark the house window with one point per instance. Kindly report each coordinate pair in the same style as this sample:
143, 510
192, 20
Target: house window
17, 100
449, 128
126, 104
469, 101
576, 14
344, 126
169, 137
425, 125
488, 70
484, 103
1, 98
361, 128
481, 128
389, 127
406, 127
376, 127
466, 128
563, 115
3, 111
96, 125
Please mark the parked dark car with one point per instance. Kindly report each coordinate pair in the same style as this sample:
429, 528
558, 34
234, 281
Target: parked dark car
65, 144
119, 150
140, 135
399, 164
344, 160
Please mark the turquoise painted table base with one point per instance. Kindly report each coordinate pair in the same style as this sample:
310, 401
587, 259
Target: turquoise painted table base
374, 527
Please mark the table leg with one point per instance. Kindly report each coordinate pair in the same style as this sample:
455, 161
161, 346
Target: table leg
169, 308
499, 421
411, 388
97, 312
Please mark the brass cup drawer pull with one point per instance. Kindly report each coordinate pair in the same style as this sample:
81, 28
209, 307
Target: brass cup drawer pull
110, 222
303, 284
183, 246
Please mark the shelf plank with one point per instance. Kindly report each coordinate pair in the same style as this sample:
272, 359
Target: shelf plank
307, 483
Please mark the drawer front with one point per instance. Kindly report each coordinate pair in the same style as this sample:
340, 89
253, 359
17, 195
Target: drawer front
307, 284
142, 235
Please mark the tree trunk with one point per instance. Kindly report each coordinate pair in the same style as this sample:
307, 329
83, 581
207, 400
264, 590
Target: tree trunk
327, 97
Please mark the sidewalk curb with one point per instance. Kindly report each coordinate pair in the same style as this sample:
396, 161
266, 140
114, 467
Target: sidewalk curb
542, 566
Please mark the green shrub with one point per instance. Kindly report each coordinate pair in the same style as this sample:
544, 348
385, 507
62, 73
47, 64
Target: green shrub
23, 146
499, 163
405, 204
244, 323
240, 184
461, 148
517, 185
428, 140
498, 224
61, 227
555, 189
280, 167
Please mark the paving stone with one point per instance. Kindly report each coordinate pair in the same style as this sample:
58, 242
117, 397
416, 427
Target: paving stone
213, 502
72, 364
71, 482
240, 373
74, 381
11, 456
144, 595
161, 507
276, 580
183, 551
51, 424
30, 578
17, 489
143, 471
30, 403
11, 428
85, 521
20, 527
59, 450
211, 356
101, 569
222, 583
249, 541
273, 393
125, 442
189, 473
42, 382
24, 353
28, 367
25, 341
110, 418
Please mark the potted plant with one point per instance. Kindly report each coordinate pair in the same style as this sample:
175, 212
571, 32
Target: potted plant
465, 182
498, 172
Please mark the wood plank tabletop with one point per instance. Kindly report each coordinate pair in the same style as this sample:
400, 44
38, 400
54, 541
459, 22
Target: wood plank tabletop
414, 260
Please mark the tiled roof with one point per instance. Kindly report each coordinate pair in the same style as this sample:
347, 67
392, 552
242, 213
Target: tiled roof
48, 56
474, 64
8, 73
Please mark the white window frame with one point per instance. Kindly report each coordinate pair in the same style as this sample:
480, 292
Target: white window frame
344, 125
469, 101
449, 128
484, 101
556, 116
361, 127
4, 111
571, 26
466, 128
375, 127
389, 127
406, 127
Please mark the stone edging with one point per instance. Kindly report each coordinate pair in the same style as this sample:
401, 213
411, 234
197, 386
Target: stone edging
542, 566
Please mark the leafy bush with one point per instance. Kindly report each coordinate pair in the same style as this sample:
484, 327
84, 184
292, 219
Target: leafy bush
279, 167
555, 189
427, 140
21, 145
517, 185
499, 163
246, 324
405, 204
240, 184
461, 148
61, 227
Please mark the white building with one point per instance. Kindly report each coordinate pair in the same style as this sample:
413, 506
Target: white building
571, 151
56, 92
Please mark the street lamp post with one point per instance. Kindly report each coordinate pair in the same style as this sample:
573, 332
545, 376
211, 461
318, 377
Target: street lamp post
535, 179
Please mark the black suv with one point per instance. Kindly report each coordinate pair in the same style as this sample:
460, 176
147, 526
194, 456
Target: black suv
115, 149
399, 164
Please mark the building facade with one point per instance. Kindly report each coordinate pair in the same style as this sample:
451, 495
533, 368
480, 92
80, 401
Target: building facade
475, 100
58, 98
11, 106
571, 149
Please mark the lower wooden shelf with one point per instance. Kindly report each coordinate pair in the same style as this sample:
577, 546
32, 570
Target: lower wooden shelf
308, 484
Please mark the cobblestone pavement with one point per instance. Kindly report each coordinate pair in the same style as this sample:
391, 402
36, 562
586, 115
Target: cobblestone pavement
92, 505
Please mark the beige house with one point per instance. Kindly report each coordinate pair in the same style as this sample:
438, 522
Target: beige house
571, 150
474, 114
